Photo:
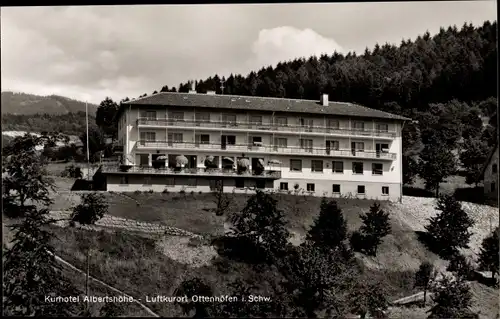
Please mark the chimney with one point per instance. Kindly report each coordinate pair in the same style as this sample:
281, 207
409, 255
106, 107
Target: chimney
211, 92
193, 89
324, 100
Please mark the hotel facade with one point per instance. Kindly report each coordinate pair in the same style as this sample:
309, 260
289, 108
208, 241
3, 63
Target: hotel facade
198, 142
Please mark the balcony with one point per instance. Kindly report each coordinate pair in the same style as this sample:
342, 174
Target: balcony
249, 126
265, 149
212, 172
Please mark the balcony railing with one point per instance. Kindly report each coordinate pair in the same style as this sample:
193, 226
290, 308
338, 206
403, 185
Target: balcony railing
265, 127
216, 172
266, 149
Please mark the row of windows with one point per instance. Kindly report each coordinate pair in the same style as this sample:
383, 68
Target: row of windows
311, 187
191, 182
240, 183
337, 167
306, 144
257, 120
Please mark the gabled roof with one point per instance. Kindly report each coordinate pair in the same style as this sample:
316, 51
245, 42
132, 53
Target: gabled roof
269, 104
488, 160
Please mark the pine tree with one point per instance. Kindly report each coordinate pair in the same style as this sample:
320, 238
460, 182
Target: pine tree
490, 253
449, 229
31, 272
452, 299
375, 227
330, 227
92, 207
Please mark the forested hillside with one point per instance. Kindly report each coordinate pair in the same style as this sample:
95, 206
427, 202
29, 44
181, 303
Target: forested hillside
452, 64
30, 104
70, 123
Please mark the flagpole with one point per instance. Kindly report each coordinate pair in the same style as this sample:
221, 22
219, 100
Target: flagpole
88, 152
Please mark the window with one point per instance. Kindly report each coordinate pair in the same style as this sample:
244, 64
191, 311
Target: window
124, 180
240, 183
169, 181
306, 123
229, 119
215, 184
177, 116
191, 182
284, 186
256, 120
175, 137
148, 136
202, 117
493, 186
494, 168
261, 184
382, 128
202, 139
358, 146
359, 125
381, 148
296, 165
147, 180
317, 166
385, 190
332, 145
256, 140
357, 167
306, 144
336, 188
338, 167
333, 124
281, 121
310, 187
230, 140
144, 159
361, 189
149, 115
377, 169
280, 142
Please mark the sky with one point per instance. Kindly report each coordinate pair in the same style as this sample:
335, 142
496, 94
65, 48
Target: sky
88, 53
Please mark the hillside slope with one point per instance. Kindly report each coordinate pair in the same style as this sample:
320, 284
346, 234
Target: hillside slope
28, 104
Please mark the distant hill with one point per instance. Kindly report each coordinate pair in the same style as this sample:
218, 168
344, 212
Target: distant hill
29, 104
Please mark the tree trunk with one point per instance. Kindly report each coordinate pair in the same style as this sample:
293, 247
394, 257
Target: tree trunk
437, 191
425, 294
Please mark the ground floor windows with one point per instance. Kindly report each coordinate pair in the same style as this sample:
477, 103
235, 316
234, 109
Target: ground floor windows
124, 180
191, 182
239, 183
336, 189
170, 182
147, 181
284, 186
311, 187
261, 184
385, 190
361, 189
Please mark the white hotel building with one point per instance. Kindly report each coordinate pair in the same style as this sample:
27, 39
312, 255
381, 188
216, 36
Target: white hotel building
324, 148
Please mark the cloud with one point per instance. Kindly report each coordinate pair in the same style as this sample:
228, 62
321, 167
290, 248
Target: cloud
287, 43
